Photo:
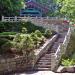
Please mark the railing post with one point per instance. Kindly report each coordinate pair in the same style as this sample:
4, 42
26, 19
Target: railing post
53, 62
57, 29
29, 19
47, 17
2, 18
15, 18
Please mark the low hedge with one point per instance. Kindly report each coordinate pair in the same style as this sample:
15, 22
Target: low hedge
7, 33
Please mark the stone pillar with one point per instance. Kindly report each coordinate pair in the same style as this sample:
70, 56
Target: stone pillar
2, 18
57, 29
15, 18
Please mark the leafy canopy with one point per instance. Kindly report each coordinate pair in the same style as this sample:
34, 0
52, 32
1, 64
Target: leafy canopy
10, 7
67, 7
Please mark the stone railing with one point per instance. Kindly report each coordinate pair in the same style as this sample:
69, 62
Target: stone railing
55, 57
17, 19
46, 22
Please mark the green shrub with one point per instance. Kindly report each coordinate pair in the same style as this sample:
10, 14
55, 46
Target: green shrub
27, 47
68, 62
27, 43
31, 27
24, 30
7, 33
38, 33
36, 39
17, 38
48, 33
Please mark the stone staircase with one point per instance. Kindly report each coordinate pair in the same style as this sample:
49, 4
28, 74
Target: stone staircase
44, 63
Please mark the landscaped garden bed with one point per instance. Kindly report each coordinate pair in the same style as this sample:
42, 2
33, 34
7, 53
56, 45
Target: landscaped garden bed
14, 35
28, 41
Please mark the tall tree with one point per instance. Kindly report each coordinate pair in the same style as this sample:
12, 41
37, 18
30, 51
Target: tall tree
10, 7
67, 8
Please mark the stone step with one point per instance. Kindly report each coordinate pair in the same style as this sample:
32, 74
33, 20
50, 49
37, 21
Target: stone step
44, 60
47, 55
43, 66
43, 69
44, 63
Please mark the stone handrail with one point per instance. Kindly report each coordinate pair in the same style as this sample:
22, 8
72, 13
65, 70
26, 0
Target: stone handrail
55, 57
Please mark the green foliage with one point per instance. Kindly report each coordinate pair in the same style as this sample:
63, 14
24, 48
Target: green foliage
27, 44
68, 62
10, 7
17, 38
31, 27
3, 41
27, 47
24, 44
36, 39
6, 47
48, 33
18, 26
8, 33
67, 8
38, 33
24, 30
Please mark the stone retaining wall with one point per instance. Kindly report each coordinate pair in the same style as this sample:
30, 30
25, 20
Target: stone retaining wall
8, 65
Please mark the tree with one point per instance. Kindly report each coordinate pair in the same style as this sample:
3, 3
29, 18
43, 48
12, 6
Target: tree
67, 8
10, 7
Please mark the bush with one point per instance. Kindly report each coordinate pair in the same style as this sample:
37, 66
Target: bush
36, 39
27, 43
24, 30
48, 33
38, 33
31, 27
68, 62
17, 38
